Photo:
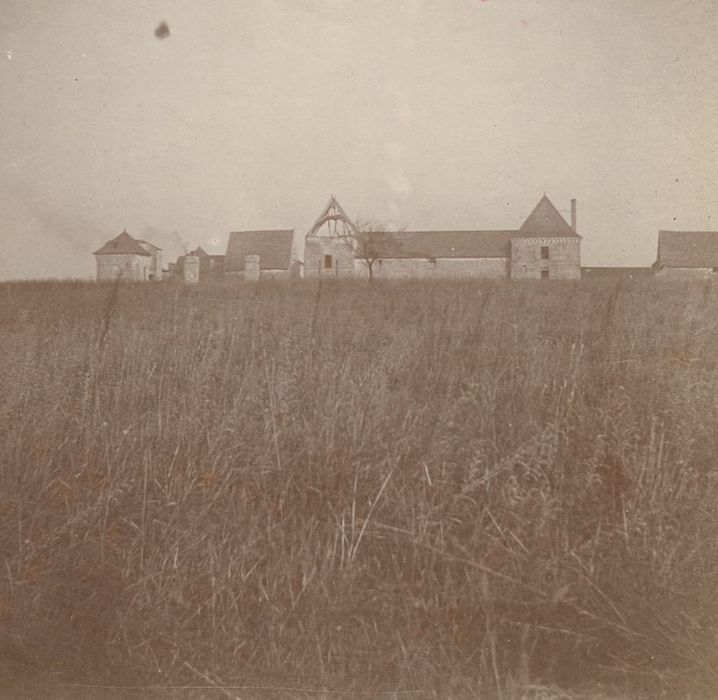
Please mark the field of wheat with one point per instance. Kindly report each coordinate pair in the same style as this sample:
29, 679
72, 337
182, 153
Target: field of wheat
421, 489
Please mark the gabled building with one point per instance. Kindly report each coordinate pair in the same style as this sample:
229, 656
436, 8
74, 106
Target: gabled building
208, 264
687, 254
546, 246
272, 251
128, 258
330, 244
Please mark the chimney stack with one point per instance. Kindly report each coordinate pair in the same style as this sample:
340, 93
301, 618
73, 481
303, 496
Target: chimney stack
573, 215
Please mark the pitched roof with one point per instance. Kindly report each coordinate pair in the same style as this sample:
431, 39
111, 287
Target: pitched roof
546, 222
120, 245
441, 244
151, 245
273, 247
333, 213
199, 251
688, 248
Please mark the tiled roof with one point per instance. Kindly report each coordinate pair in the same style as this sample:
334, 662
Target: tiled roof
688, 248
441, 244
273, 247
546, 222
543, 222
122, 244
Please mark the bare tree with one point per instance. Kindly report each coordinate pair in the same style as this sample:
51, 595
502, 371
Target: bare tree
371, 242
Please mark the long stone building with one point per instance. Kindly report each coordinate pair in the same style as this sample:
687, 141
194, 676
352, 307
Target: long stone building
546, 246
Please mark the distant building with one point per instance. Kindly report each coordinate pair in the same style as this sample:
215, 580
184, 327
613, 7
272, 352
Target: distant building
130, 259
330, 244
687, 254
275, 250
208, 264
544, 247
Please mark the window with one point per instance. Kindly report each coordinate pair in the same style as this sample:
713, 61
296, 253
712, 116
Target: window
544, 252
328, 262
544, 274
432, 262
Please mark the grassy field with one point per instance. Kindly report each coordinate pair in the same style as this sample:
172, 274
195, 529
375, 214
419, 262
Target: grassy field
420, 490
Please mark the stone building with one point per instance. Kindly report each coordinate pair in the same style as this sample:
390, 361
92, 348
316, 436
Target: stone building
546, 246
275, 250
687, 254
208, 264
330, 246
128, 258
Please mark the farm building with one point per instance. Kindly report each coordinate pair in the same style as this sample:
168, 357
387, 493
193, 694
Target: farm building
684, 254
331, 243
544, 247
261, 253
208, 264
128, 258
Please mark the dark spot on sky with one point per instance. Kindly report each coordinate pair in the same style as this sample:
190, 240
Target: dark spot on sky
162, 31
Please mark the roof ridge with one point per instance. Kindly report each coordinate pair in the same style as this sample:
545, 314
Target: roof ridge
333, 211
122, 244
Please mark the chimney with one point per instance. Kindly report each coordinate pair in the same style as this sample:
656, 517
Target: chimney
573, 215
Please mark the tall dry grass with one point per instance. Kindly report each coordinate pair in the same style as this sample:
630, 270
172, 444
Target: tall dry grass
461, 488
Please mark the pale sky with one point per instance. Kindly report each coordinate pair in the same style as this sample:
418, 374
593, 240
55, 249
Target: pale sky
418, 113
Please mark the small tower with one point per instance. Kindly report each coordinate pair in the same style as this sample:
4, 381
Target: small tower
126, 258
546, 246
251, 268
190, 269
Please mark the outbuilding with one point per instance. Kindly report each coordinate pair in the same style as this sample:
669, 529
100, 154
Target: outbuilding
129, 259
687, 254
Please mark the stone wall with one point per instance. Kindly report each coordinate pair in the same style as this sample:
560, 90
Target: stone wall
683, 273
340, 263
251, 268
125, 266
190, 269
564, 258
155, 268
275, 274
405, 268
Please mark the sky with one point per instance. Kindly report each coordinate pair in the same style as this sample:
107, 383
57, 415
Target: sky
420, 114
